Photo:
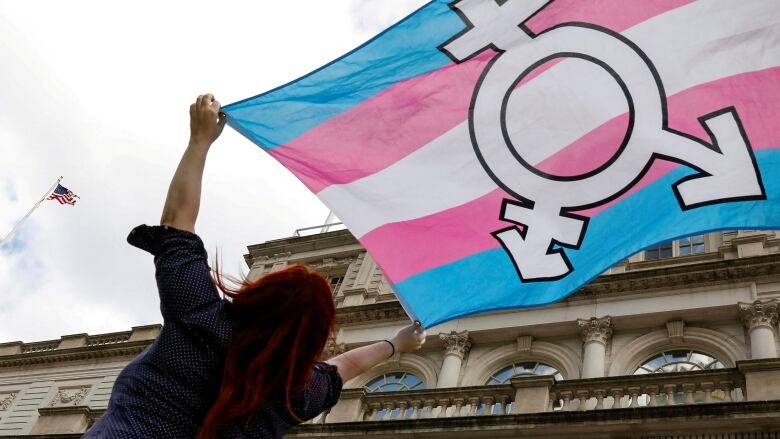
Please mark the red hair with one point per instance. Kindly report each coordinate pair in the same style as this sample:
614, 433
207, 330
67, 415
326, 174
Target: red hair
283, 321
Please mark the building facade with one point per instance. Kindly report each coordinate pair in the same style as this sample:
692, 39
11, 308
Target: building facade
679, 341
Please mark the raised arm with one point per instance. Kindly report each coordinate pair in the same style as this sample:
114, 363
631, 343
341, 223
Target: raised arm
183, 201
353, 363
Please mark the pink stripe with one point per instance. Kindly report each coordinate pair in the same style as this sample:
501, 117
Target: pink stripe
412, 113
465, 230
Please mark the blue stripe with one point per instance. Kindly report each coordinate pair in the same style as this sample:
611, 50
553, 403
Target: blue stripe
406, 50
487, 281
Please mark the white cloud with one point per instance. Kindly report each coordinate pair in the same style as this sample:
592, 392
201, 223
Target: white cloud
373, 16
98, 92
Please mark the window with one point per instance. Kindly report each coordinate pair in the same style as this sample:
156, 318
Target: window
335, 283
395, 382
661, 251
679, 361
523, 369
692, 245
528, 368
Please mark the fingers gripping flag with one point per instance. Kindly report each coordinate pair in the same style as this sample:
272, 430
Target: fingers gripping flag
494, 155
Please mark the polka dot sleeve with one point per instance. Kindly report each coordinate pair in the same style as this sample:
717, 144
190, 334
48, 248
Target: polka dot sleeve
321, 393
183, 279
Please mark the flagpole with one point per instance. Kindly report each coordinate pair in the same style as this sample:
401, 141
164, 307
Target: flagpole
326, 227
16, 227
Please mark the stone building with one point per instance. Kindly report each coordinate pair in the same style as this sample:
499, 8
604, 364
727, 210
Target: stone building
679, 341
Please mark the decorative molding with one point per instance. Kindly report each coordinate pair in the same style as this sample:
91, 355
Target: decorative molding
373, 313
456, 343
330, 264
302, 244
333, 349
676, 331
69, 396
423, 367
479, 369
676, 276
637, 282
735, 420
524, 344
596, 329
759, 314
126, 349
6, 400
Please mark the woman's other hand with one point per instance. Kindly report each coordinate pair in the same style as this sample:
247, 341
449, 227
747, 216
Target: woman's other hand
206, 121
409, 339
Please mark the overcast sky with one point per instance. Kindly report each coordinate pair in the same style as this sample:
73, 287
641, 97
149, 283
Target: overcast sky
98, 92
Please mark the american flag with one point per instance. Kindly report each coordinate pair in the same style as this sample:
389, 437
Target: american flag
63, 195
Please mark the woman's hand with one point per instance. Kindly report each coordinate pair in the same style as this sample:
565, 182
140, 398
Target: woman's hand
183, 201
354, 362
206, 121
409, 339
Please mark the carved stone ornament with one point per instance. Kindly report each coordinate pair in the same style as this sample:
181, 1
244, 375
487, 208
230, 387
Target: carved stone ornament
333, 349
599, 330
676, 330
759, 314
69, 397
524, 343
6, 400
456, 343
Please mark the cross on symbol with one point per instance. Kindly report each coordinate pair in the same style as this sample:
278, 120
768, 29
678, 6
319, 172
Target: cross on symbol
543, 203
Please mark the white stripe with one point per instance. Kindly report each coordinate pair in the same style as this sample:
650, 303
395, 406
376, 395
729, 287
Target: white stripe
698, 43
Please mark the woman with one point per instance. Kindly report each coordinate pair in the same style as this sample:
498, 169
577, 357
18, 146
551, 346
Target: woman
245, 368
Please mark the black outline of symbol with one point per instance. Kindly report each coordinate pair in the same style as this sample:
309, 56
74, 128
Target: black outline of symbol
603, 166
567, 211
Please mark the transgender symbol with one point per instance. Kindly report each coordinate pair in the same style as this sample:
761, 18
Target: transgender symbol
726, 168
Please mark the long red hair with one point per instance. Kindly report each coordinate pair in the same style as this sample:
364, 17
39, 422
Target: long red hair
283, 321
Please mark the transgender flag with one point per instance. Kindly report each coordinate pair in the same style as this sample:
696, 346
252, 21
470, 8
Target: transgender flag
494, 155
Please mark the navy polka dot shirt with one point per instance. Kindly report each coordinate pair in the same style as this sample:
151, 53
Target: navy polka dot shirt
167, 390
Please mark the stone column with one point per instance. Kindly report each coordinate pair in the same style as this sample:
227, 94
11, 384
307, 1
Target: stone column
760, 318
595, 336
456, 346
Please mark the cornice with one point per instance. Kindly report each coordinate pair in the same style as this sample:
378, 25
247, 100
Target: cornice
301, 244
384, 311
126, 349
681, 276
629, 283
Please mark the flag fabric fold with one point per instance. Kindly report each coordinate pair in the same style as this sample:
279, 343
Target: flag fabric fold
63, 195
495, 156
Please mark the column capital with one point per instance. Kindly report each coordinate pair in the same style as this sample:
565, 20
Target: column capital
596, 329
758, 314
456, 343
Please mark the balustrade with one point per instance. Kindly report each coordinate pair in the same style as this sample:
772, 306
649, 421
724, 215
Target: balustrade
682, 388
528, 395
108, 339
43, 346
438, 403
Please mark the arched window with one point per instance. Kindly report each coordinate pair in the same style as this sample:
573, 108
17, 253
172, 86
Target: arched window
395, 382
680, 360
527, 368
